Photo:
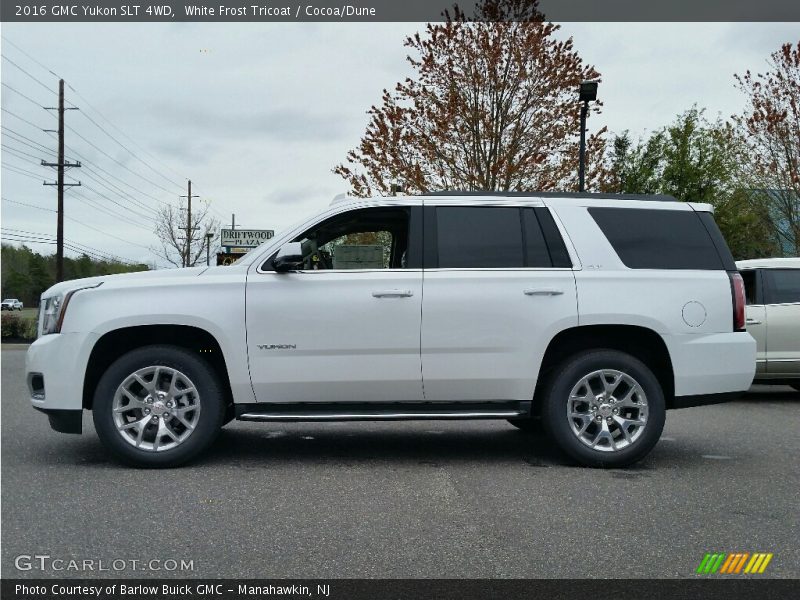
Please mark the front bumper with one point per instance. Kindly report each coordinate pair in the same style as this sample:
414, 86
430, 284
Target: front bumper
54, 370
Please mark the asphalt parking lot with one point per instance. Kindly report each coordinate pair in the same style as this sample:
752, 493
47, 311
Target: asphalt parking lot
414, 499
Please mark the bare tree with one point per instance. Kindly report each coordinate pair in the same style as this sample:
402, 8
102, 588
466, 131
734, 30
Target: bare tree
182, 246
492, 106
771, 122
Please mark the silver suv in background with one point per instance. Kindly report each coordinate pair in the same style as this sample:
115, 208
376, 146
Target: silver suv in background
772, 288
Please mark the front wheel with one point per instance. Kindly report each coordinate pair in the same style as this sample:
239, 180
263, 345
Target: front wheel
158, 406
604, 408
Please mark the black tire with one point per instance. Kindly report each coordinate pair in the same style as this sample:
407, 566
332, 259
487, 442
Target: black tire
209, 421
554, 407
528, 425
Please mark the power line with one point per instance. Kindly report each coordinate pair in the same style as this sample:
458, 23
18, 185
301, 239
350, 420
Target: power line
94, 173
71, 248
121, 193
22, 169
145, 163
129, 196
45, 236
111, 175
104, 118
19, 135
79, 222
69, 245
19, 153
31, 123
107, 155
28, 74
16, 91
21, 172
108, 211
5, 39
132, 211
28, 205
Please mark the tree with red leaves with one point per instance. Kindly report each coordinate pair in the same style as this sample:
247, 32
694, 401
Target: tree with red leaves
771, 122
493, 105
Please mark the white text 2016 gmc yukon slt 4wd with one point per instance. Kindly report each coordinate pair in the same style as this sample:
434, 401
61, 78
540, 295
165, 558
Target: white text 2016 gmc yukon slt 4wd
588, 314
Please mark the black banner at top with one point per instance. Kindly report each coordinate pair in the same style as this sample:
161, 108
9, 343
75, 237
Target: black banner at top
390, 10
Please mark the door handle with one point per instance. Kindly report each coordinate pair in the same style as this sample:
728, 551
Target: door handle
752, 322
392, 294
542, 292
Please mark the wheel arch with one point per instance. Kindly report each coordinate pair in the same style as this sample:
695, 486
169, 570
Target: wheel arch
115, 343
641, 342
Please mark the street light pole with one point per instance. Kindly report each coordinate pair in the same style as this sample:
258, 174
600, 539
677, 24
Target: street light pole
588, 92
582, 163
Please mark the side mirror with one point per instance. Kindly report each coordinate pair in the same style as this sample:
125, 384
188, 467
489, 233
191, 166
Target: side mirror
289, 258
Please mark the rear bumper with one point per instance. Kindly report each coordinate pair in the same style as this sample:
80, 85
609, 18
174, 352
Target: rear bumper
711, 365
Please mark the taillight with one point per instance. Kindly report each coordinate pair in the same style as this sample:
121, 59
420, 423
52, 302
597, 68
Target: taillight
737, 291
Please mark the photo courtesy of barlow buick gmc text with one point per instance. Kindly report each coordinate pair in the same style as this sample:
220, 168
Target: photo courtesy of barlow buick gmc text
433, 299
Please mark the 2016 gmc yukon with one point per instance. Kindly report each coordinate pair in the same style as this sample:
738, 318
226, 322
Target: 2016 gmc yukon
589, 315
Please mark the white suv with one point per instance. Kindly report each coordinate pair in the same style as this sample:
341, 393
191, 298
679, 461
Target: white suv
589, 314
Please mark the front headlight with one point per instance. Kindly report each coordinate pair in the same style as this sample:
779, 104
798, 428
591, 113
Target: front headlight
54, 308
48, 317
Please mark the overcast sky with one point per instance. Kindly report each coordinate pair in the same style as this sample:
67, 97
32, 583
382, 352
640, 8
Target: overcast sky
258, 114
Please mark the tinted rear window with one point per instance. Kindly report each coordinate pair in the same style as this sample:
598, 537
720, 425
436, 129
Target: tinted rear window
659, 239
479, 237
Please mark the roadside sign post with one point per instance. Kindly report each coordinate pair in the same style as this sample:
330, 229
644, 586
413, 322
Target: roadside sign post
236, 242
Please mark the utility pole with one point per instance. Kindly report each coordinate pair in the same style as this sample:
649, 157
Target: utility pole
60, 166
189, 226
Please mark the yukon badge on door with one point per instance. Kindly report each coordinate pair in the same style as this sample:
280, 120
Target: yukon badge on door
277, 346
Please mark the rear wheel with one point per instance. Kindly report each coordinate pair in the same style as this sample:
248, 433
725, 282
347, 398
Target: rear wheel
604, 408
158, 406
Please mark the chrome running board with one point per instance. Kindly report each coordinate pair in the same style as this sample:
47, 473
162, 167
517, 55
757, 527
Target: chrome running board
379, 416
382, 411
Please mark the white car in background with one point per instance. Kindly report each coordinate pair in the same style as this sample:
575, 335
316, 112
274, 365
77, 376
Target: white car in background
773, 317
11, 304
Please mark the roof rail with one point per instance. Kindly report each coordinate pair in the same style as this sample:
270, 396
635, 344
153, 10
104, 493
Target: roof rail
589, 195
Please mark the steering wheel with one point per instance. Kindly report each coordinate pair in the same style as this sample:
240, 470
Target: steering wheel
321, 261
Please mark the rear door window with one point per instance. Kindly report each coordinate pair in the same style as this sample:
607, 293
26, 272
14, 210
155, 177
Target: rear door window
479, 237
783, 286
659, 239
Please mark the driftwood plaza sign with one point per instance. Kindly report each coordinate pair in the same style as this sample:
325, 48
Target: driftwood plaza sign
244, 238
